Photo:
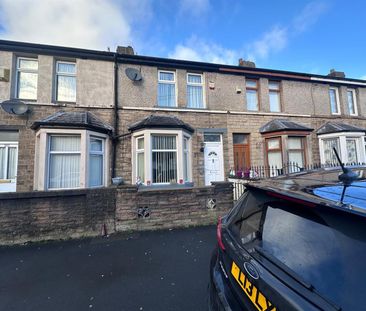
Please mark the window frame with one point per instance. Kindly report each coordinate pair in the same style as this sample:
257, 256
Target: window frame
256, 88
49, 153
94, 152
202, 85
336, 91
41, 170
174, 82
280, 149
148, 167
302, 150
139, 151
353, 91
18, 70
278, 93
7, 145
342, 141
57, 74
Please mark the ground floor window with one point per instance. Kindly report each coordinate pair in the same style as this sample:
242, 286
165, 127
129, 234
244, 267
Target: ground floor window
64, 162
161, 157
274, 155
349, 146
296, 153
8, 160
67, 159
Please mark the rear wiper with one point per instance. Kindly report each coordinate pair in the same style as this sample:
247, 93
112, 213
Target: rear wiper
293, 275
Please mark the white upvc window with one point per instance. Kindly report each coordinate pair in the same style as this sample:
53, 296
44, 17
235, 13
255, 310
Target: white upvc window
69, 159
351, 102
140, 159
26, 78
65, 81
334, 101
167, 95
195, 91
96, 161
349, 146
161, 156
8, 160
63, 162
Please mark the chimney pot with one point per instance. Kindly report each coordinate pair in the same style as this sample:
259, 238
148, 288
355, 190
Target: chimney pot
336, 74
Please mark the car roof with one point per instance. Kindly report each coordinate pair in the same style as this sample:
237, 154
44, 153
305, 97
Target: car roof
320, 187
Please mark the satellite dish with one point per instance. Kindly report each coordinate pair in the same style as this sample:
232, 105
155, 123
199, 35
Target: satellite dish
133, 74
14, 106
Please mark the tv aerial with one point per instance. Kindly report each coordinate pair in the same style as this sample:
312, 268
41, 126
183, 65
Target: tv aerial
15, 107
133, 74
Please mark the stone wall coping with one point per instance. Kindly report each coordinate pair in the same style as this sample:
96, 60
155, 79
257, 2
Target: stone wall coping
43, 194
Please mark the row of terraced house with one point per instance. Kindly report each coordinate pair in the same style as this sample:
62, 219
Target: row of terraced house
164, 121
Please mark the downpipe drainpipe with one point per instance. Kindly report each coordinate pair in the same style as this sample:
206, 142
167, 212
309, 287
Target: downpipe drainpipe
116, 118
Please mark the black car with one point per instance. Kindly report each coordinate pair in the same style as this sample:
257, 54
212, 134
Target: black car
293, 243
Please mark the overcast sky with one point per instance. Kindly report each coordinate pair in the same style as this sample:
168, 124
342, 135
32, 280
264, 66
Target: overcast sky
297, 35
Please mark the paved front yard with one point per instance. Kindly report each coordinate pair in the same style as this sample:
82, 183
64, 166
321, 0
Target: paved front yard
162, 270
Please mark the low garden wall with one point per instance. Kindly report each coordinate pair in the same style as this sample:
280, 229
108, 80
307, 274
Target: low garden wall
41, 215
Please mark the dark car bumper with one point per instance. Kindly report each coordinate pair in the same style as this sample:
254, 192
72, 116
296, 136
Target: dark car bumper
221, 297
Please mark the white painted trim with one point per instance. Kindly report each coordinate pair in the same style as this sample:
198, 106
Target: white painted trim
55, 80
169, 82
353, 91
202, 84
342, 137
337, 101
216, 111
147, 133
18, 70
338, 81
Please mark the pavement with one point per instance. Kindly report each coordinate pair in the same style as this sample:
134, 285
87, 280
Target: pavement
156, 270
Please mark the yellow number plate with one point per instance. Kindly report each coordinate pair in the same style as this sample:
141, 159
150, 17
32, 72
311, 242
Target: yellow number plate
255, 296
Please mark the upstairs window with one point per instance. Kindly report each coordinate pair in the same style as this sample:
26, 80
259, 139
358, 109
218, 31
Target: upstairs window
65, 81
166, 89
195, 90
334, 101
26, 78
274, 96
351, 101
252, 95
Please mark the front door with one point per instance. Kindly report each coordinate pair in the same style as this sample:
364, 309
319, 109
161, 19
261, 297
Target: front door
214, 170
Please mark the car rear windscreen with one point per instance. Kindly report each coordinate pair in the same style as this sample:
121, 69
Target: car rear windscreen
324, 248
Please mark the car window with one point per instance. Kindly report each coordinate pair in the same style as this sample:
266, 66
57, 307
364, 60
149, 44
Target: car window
325, 249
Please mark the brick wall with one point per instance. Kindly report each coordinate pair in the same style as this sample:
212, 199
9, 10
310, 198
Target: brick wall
32, 216
169, 208
40, 215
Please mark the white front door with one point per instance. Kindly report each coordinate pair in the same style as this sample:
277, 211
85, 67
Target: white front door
214, 170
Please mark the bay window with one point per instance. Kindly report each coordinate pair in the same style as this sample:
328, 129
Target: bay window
161, 156
70, 158
349, 146
26, 78
166, 89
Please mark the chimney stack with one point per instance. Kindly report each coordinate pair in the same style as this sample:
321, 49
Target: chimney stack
125, 50
246, 63
336, 74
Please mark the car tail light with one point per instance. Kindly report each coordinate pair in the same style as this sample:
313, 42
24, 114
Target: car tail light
219, 234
